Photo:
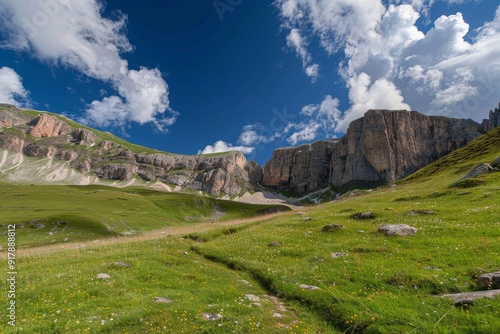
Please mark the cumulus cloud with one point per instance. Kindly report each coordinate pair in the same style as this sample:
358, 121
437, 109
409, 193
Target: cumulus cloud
74, 34
390, 63
221, 146
12, 90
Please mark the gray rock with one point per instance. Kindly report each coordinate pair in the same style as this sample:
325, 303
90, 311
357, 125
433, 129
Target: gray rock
479, 170
468, 298
103, 276
489, 280
306, 219
309, 287
332, 228
211, 316
252, 298
496, 163
38, 226
421, 212
398, 229
339, 255
275, 244
362, 216
85, 137
162, 300
122, 172
122, 264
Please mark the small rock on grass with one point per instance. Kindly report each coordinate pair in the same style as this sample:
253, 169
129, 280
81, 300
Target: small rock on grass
421, 212
275, 244
468, 298
252, 298
211, 316
103, 276
309, 287
364, 215
162, 300
332, 227
489, 280
339, 255
398, 229
122, 264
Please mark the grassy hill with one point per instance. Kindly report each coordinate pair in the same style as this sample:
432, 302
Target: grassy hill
372, 284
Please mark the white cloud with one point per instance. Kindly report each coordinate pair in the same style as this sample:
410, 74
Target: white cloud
74, 34
320, 119
221, 146
390, 63
295, 40
12, 90
307, 132
253, 134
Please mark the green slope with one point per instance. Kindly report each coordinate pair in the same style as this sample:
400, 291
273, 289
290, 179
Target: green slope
53, 214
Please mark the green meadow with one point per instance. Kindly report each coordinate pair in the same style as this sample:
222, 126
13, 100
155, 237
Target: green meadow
238, 273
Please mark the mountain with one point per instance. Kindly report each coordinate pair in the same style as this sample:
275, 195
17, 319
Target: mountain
381, 147
49, 148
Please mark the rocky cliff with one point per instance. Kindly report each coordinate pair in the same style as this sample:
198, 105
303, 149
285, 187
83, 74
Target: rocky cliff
98, 156
299, 170
381, 147
493, 120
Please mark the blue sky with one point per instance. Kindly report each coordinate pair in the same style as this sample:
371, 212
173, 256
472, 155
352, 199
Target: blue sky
203, 76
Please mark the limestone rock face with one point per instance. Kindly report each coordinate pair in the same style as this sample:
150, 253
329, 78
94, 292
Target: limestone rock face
301, 169
9, 116
122, 172
229, 173
385, 145
85, 137
48, 126
11, 143
381, 147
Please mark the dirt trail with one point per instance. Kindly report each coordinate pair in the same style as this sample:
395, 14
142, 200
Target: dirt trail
150, 235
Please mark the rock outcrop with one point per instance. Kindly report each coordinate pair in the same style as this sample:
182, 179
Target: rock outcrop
493, 120
381, 147
300, 169
47, 137
48, 126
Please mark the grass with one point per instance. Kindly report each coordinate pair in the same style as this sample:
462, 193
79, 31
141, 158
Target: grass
57, 214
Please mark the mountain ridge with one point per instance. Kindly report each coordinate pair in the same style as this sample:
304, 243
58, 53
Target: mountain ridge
381, 147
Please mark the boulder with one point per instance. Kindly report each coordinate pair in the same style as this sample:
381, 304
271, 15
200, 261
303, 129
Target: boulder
309, 287
362, 216
468, 298
496, 163
479, 170
398, 229
489, 280
332, 228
